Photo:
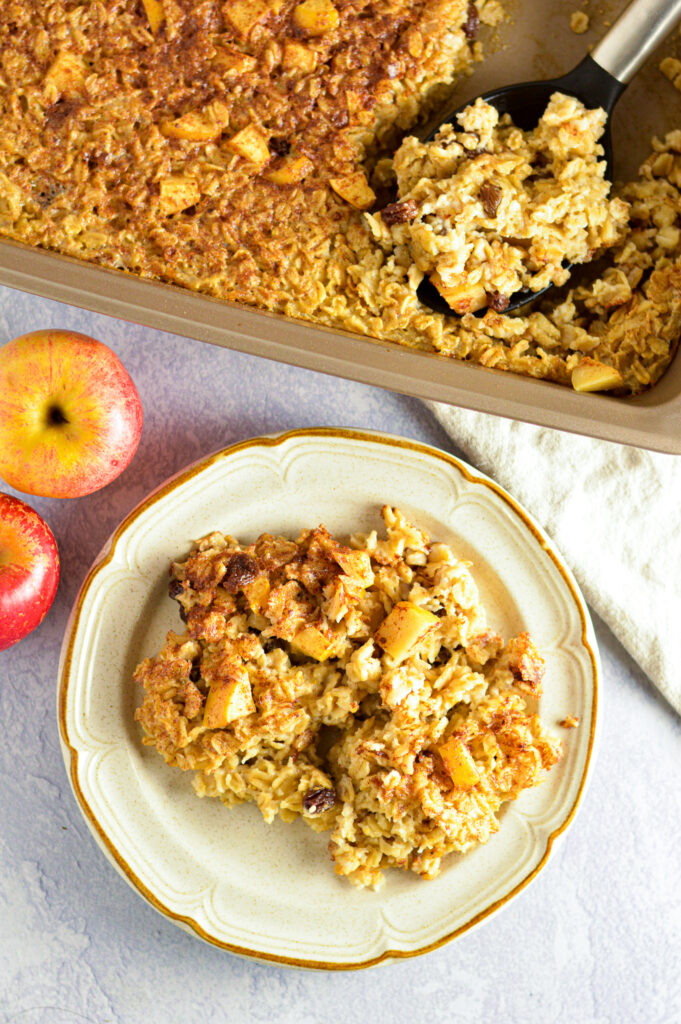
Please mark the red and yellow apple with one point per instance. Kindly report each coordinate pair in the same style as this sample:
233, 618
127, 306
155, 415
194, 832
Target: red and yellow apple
29, 569
70, 415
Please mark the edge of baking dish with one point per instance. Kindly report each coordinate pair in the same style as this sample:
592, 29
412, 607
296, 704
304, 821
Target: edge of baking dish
651, 420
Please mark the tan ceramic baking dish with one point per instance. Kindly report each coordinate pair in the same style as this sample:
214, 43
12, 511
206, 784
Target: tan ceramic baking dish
537, 43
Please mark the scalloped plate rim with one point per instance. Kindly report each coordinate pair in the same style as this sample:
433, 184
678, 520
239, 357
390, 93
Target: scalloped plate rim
106, 555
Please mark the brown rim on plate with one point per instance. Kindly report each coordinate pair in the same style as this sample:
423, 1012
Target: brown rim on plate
71, 753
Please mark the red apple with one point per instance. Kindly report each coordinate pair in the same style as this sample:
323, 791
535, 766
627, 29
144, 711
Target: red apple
70, 415
29, 569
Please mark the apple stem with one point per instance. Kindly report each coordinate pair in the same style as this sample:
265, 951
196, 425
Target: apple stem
55, 417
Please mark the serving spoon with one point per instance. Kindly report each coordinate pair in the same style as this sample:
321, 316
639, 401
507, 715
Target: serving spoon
598, 81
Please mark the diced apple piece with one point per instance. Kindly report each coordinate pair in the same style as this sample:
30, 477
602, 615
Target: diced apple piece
297, 57
354, 189
66, 74
458, 763
316, 17
155, 14
311, 642
191, 127
257, 593
227, 700
231, 61
251, 144
178, 193
463, 297
290, 170
591, 375
244, 15
405, 627
199, 125
355, 563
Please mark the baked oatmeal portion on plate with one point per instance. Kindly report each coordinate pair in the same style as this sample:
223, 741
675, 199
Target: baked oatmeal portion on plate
357, 687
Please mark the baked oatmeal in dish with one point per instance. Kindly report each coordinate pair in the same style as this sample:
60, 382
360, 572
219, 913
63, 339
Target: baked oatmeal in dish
489, 210
234, 147
357, 687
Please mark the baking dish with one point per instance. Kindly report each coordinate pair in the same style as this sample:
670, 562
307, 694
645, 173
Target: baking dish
651, 419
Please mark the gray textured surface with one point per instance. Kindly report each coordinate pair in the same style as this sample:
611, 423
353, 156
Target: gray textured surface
596, 938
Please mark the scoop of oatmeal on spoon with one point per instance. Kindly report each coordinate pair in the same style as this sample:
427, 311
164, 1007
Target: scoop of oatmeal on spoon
490, 209
494, 213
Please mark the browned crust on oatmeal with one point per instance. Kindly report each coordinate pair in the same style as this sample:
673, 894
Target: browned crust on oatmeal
105, 139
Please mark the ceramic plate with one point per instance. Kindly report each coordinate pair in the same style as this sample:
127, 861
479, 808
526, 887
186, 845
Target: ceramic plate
270, 891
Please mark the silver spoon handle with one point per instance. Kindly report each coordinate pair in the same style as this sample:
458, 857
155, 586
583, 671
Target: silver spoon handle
635, 34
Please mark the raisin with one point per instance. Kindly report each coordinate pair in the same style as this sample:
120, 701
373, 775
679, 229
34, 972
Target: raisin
49, 193
338, 117
540, 162
521, 243
490, 197
497, 301
60, 112
241, 569
280, 146
316, 801
472, 22
399, 213
175, 588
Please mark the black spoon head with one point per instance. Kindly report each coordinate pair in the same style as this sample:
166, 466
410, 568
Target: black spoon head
526, 102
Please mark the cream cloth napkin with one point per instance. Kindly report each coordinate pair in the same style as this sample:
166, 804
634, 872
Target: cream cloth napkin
615, 514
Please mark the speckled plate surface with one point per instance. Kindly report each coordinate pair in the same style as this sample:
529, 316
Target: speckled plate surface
269, 891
